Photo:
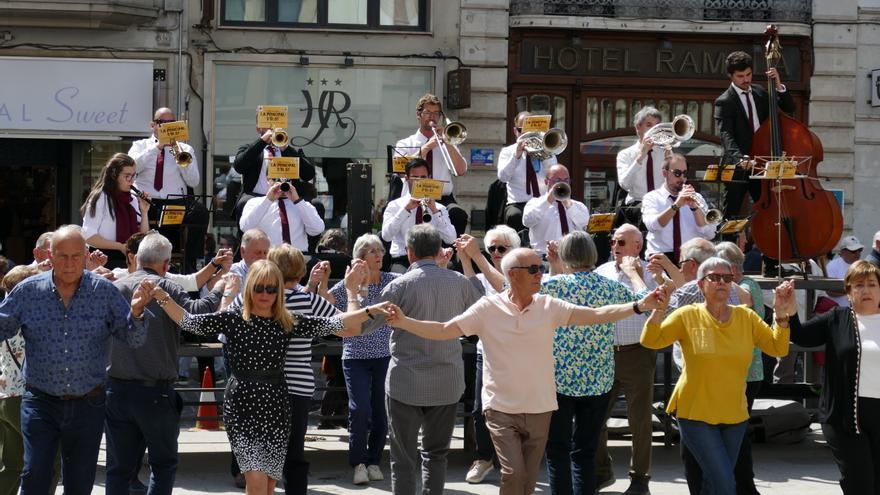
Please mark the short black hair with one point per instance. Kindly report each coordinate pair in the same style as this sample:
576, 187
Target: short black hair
414, 163
738, 61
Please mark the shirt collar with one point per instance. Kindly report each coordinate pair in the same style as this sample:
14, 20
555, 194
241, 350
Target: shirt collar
740, 91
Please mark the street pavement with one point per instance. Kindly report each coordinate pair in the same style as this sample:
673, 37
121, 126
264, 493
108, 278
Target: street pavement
803, 468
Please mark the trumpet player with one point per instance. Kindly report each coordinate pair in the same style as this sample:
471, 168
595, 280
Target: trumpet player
672, 212
404, 212
425, 143
283, 215
554, 214
639, 167
523, 175
167, 181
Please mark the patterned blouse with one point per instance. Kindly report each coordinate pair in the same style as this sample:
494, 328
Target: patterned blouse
584, 355
756, 369
11, 361
373, 345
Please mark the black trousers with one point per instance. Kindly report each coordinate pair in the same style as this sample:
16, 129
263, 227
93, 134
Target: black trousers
513, 213
457, 216
735, 193
743, 471
858, 456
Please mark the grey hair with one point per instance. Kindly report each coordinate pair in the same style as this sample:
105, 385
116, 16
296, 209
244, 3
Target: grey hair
730, 252
577, 251
153, 249
423, 240
364, 243
66, 231
253, 235
877, 236
644, 113
711, 264
628, 227
44, 241
512, 258
505, 233
697, 249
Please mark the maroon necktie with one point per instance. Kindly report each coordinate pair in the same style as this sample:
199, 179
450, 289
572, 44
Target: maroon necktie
649, 169
430, 159
563, 218
749, 106
531, 178
676, 234
285, 224
419, 215
271, 149
160, 170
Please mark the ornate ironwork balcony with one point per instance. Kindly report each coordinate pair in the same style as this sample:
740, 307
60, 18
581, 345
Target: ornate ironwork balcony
710, 10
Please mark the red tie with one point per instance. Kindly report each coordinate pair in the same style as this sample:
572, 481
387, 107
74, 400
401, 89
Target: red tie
430, 159
749, 106
285, 224
160, 170
563, 218
531, 178
676, 234
419, 215
649, 169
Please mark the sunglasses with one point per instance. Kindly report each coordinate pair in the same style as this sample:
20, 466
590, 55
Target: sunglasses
533, 269
618, 242
718, 277
498, 249
268, 289
161, 121
678, 173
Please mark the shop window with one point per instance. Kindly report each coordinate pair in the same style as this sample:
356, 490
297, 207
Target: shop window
592, 115
540, 104
620, 114
405, 15
707, 109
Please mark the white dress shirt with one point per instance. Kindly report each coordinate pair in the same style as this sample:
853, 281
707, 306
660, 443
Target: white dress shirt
102, 223
542, 220
175, 179
837, 268
396, 222
512, 170
660, 237
302, 220
411, 146
262, 185
628, 330
631, 172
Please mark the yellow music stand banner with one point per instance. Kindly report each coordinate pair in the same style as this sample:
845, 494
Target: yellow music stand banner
173, 131
272, 116
398, 163
727, 173
428, 188
733, 226
283, 167
172, 215
536, 123
785, 169
711, 173
600, 222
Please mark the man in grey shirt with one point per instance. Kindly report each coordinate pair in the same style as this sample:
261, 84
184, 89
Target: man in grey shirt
425, 378
143, 408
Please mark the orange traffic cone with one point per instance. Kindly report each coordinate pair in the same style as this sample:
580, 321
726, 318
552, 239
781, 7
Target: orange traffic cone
208, 406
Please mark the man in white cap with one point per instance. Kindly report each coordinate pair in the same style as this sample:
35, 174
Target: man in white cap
850, 252
874, 256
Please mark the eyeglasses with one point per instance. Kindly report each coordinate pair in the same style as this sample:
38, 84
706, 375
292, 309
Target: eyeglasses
518, 129
718, 277
682, 262
163, 121
430, 114
533, 269
268, 289
618, 242
678, 173
127, 176
498, 249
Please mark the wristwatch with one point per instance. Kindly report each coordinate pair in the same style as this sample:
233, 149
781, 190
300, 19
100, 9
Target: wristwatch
675, 207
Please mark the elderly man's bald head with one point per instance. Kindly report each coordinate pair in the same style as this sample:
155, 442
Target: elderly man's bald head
65, 233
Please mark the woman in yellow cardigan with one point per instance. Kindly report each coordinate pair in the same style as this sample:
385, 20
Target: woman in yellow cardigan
717, 339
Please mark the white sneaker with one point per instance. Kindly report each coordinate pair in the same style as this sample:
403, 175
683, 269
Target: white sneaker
479, 469
360, 475
375, 473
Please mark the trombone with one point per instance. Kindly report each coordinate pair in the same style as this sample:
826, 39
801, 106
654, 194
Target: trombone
280, 138
183, 158
454, 133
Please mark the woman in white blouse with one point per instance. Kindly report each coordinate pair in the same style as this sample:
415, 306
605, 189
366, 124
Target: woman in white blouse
112, 212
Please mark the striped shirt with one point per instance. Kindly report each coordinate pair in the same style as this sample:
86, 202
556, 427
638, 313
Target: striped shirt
298, 370
627, 331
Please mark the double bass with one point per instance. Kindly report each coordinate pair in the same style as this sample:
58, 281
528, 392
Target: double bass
794, 219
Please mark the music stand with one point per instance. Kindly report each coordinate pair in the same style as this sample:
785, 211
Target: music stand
189, 202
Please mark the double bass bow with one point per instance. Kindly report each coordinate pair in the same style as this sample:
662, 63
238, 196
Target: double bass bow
794, 219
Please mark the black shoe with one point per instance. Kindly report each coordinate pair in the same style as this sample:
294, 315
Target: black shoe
604, 480
136, 487
638, 485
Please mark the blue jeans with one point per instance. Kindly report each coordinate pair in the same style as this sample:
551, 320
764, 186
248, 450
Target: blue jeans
485, 448
367, 418
571, 453
138, 416
75, 425
715, 448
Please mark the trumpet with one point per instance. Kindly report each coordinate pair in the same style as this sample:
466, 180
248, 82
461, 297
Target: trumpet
713, 215
454, 133
543, 145
280, 138
561, 191
426, 211
183, 158
673, 133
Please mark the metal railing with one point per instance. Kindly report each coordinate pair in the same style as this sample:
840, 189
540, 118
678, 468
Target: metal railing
711, 10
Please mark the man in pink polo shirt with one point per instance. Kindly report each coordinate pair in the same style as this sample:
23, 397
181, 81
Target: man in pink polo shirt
517, 328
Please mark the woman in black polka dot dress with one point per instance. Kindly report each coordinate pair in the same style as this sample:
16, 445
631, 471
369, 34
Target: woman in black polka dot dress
255, 408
